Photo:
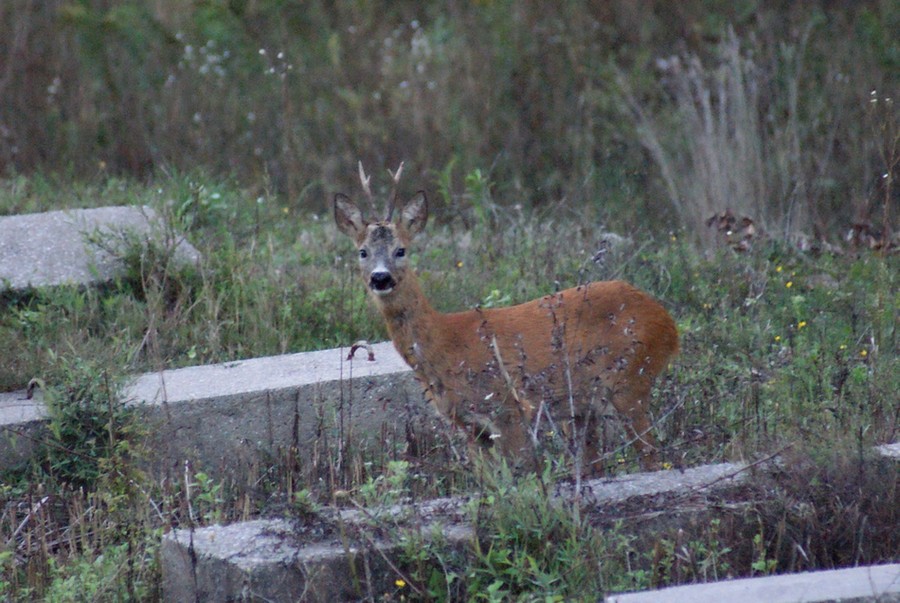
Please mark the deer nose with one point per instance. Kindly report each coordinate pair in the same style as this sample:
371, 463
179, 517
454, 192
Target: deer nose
381, 281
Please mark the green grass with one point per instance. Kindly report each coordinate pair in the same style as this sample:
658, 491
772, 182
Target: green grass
780, 348
267, 284
533, 134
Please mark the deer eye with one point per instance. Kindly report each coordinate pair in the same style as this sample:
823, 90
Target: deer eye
363, 254
401, 252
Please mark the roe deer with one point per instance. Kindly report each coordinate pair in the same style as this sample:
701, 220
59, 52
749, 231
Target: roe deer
499, 373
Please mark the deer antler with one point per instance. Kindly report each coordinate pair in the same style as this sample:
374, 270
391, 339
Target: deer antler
365, 181
395, 176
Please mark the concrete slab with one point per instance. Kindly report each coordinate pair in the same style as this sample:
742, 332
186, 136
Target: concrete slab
269, 373
17, 409
877, 583
661, 483
891, 451
277, 560
50, 249
266, 560
225, 418
22, 425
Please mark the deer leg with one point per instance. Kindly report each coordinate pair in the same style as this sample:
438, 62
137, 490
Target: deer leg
592, 453
632, 403
581, 436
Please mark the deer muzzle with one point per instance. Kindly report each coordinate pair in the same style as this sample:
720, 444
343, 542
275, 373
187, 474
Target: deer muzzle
381, 282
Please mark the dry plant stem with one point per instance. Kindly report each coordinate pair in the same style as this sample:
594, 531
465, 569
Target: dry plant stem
345, 538
187, 493
631, 441
890, 156
733, 159
578, 435
35, 508
526, 409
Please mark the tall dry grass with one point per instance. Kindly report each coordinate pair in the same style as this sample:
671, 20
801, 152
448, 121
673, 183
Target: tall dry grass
292, 95
737, 141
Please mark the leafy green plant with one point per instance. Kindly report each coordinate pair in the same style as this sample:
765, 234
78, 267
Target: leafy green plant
92, 429
677, 559
7, 558
479, 195
432, 565
100, 577
382, 491
208, 498
529, 544
762, 565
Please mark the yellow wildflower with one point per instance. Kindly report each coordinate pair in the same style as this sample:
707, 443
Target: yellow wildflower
399, 582
801, 324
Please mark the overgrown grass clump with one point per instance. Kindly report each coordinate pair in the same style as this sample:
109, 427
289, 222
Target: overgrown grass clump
781, 349
538, 135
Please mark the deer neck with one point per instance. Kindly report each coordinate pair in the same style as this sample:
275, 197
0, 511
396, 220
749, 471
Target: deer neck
409, 316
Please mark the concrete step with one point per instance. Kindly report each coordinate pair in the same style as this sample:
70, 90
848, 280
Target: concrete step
225, 417
53, 248
876, 583
341, 555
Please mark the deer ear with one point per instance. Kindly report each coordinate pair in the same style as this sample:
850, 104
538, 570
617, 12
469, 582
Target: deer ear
347, 216
415, 213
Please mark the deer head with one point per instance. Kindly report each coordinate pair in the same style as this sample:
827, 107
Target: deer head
382, 245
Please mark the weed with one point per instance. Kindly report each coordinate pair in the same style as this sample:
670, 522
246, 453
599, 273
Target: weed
205, 498
92, 432
762, 565
529, 544
433, 565
385, 490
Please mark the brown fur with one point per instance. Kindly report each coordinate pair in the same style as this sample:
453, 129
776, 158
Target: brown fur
494, 371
